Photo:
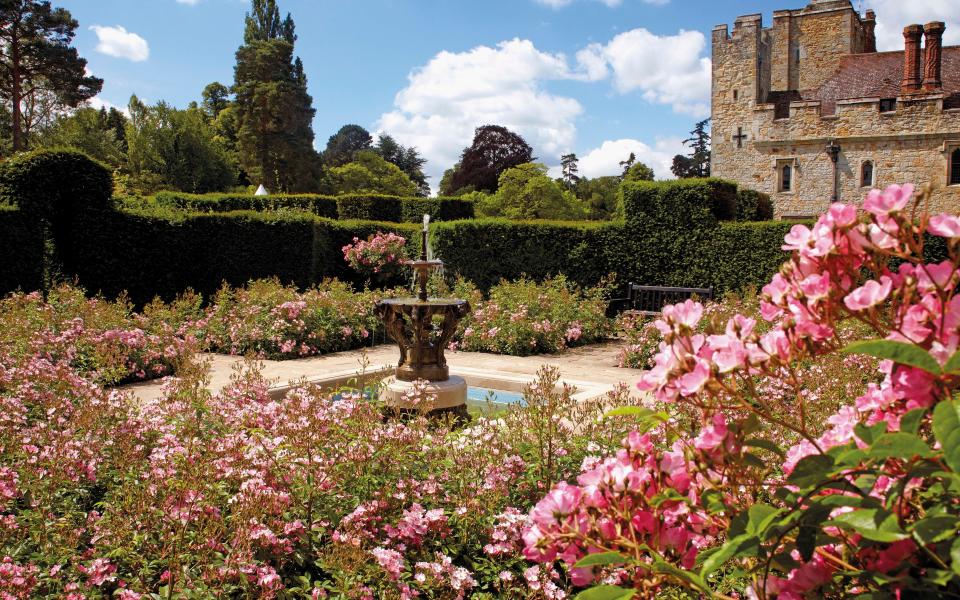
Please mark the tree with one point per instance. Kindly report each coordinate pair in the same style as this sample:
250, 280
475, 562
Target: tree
346, 142
274, 111
38, 67
177, 149
626, 164
494, 150
371, 174
697, 163
638, 172
216, 98
89, 131
599, 196
446, 184
407, 159
527, 192
570, 170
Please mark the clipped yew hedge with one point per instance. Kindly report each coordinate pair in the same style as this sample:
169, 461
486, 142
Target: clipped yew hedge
162, 253
368, 207
21, 265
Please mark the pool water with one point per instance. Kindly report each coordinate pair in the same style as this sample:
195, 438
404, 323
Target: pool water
478, 398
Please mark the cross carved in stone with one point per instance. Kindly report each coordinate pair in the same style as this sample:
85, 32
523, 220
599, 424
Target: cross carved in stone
740, 137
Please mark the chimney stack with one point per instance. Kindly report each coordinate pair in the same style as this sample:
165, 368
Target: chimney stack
933, 63
912, 78
870, 28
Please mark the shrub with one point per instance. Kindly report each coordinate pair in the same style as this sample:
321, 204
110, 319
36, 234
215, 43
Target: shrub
521, 318
273, 321
864, 502
380, 256
371, 207
103, 341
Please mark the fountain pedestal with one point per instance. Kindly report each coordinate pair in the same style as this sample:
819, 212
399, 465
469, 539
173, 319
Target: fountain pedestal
422, 327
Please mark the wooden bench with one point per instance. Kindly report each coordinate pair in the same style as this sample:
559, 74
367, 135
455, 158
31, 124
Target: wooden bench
649, 300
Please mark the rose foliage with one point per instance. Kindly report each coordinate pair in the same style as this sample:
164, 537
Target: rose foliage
866, 507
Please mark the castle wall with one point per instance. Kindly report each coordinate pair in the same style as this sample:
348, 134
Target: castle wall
911, 144
864, 134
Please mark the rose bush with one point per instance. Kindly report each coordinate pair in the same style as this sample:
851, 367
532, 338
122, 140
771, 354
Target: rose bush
273, 321
865, 503
381, 256
524, 317
104, 341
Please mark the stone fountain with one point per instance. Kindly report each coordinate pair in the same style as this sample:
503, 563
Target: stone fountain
423, 327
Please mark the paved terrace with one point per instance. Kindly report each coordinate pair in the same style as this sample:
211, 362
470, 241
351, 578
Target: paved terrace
595, 364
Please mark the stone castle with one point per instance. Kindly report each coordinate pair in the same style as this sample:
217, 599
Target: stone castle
808, 111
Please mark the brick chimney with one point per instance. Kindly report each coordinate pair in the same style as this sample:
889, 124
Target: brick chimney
912, 57
870, 29
933, 62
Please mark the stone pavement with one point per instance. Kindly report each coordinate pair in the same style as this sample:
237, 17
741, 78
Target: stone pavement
596, 364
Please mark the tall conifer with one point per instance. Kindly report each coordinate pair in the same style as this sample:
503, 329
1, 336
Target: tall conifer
274, 111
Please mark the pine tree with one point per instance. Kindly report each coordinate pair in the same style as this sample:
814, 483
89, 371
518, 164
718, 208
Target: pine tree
570, 170
40, 73
274, 110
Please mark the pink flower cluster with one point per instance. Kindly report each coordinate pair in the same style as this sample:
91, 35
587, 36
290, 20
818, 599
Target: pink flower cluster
642, 498
379, 253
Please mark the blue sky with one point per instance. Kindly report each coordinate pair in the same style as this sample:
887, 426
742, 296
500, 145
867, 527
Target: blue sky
601, 78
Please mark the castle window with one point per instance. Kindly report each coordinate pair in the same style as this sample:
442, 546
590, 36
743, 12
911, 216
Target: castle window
888, 105
736, 94
866, 174
955, 167
785, 172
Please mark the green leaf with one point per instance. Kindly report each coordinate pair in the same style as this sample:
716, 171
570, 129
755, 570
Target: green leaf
660, 566
910, 422
606, 592
766, 445
953, 364
955, 556
936, 529
729, 550
899, 352
631, 411
760, 517
601, 559
898, 445
946, 428
873, 524
869, 434
811, 470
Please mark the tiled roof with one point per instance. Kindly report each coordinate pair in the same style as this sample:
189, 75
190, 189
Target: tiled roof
875, 75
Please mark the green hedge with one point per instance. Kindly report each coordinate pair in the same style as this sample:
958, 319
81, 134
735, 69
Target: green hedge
754, 206
22, 264
323, 206
348, 207
488, 250
161, 253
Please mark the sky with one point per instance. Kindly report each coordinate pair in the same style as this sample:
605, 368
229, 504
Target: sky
601, 78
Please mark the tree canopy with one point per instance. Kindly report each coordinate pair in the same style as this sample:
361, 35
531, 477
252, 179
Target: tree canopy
40, 72
345, 143
638, 172
527, 192
494, 150
697, 163
369, 173
408, 159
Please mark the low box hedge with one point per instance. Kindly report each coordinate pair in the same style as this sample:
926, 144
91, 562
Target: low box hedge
369, 207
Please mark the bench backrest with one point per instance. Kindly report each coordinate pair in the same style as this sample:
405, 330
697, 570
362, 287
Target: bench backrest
650, 299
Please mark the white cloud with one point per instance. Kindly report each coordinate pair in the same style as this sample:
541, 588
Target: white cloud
456, 92
118, 42
894, 15
665, 69
605, 160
